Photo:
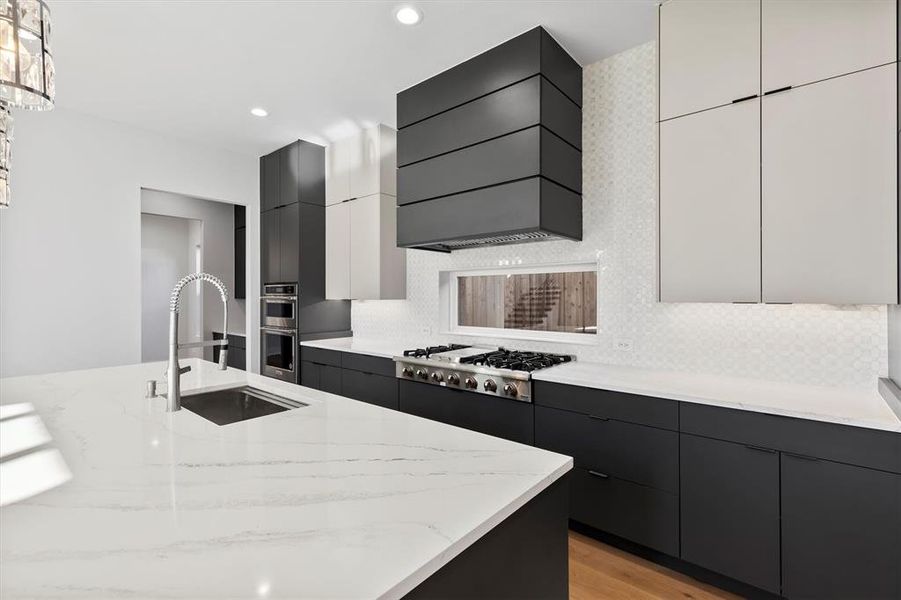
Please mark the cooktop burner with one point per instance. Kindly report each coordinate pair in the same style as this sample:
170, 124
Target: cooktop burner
493, 371
516, 360
429, 350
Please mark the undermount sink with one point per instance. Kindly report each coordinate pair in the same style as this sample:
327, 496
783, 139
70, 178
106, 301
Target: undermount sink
223, 407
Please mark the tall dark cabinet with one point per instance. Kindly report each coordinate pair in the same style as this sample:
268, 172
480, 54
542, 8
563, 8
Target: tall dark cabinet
240, 252
292, 235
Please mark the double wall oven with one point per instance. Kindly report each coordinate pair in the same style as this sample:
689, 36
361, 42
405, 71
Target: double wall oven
278, 331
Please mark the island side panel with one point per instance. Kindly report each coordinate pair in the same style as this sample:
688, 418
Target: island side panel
525, 556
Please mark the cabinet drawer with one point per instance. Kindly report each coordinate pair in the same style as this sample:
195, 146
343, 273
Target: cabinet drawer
500, 417
320, 356
644, 410
309, 375
841, 443
366, 387
641, 514
330, 379
631, 452
368, 364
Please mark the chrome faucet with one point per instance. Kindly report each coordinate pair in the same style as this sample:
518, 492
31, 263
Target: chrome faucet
174, 371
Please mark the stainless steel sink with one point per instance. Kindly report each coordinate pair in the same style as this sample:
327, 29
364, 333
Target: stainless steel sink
223, 407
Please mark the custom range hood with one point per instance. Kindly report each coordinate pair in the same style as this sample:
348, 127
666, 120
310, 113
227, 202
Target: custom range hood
490, 151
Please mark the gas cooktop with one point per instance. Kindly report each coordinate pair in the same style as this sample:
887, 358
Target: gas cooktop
494, 371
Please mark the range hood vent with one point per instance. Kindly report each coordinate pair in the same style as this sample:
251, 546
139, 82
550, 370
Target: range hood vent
500, 240
490, 152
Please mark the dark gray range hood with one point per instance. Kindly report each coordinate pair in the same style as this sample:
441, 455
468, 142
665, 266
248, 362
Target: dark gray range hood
489, 151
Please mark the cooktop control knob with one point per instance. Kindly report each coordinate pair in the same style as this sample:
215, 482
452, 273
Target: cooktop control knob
453, 379
471, 383
437, 377
490, 386
510, 390
422, 374
407, 372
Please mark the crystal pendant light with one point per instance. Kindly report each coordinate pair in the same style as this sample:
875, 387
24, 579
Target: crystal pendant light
26, 70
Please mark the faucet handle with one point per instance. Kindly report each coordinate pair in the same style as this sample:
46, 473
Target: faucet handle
183, 370
151, 389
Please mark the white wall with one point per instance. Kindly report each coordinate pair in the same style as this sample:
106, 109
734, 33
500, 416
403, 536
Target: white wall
70, 250
169, 249
218, 255
803, 343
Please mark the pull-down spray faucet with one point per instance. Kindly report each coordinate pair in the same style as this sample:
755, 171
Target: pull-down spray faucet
174, 371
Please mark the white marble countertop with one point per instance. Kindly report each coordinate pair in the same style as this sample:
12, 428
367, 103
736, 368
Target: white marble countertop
847, 406
339, 499
358, 346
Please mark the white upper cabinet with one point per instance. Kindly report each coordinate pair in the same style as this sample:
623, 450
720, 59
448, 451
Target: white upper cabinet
810, 40
709, 53
374, 162
778, 160
337, 172
710, 206
337, 251
362, 165
363, 261
830, 197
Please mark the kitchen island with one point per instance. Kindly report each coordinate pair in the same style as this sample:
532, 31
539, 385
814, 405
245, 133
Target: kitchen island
338, 499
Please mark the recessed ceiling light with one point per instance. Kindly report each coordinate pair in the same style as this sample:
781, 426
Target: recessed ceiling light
259, 112
408, 15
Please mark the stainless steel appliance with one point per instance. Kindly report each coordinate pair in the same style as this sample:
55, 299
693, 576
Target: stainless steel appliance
496, 372
278, 356
279, 306
278, 331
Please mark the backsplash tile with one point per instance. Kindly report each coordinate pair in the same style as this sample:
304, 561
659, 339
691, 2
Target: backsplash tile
844, 346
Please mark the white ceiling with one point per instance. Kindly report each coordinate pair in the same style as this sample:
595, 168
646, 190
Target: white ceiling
194, 68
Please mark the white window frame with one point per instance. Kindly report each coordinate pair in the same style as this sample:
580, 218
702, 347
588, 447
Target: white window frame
448, 296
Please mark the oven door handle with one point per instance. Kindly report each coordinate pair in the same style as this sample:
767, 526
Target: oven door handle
279, 330
282, 299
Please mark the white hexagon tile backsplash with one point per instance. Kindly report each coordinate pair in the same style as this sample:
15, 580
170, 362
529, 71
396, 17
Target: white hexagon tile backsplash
844, 346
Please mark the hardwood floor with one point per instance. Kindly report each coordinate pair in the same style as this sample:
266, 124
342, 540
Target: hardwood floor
597, 570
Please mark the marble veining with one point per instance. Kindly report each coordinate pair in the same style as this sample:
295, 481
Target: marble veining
846, 406
336, 500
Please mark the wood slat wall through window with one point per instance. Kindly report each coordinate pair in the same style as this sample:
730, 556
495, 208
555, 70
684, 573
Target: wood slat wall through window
561, 302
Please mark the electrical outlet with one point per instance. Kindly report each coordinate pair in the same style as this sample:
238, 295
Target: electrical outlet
623, 345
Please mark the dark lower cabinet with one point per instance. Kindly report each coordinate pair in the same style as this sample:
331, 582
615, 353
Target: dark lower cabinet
237, 351
730, 510
635, 512
369, 387
644, 455
841, 530
320, 377
500, 417
626, 476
